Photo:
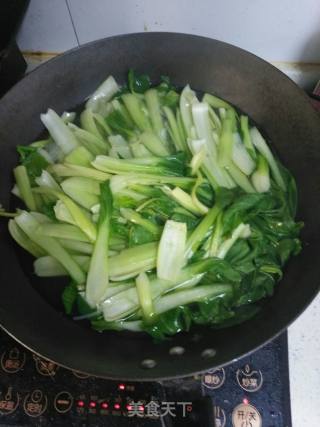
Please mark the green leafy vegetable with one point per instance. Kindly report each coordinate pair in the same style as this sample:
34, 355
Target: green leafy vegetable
165, 210
69, 297
34, 162
138, 84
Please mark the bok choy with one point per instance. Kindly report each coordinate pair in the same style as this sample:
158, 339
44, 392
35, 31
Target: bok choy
163, 207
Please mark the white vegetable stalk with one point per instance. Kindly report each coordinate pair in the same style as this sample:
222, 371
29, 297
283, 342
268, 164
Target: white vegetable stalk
217, 176
23, 240
261, 145
197, 160
184, 199
68, 116
215, 238
187, 296
200, 115
24, 186
120, 146
240, 156
84, 191
170, 259
80, 156
98, 274
90, 141
47, 180
47, 266
68, 170
215, 120
77, 247
120, 182
50, 245
174, 131
98, 100
78, 214
127, 302
200, 206
241, 232
132, 261
153, 104
216, 102
59, 131
187, 99
261, 177
62, 213
63, 231
144, 294
139, 150
15, 191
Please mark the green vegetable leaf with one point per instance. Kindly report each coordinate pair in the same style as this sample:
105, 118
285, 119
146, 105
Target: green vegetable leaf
138, 83
119, 124
69, 297
138, 235
32, 160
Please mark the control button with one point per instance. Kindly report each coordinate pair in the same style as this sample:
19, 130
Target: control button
9, 401
45, 367
104, 405
219, 416
214, 378
245, 415
104, 408
249, 379
81, 404
80, 375
63, 402
13, 360
93, 404
35, 403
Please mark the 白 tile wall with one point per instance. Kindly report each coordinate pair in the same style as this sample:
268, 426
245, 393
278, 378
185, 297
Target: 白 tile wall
285, 32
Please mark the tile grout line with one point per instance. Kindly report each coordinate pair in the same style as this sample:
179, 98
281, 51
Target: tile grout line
72, 22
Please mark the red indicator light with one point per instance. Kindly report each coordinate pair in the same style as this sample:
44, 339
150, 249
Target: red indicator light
92, 404
245, 401
104, 405
121, 386
141, 408
116, 406
129, 407
80, 403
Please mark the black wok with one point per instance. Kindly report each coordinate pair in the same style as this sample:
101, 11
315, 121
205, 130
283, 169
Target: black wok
30, 310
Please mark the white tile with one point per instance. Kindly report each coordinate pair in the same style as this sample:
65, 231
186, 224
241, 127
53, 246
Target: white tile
286, 30
304, 364
47, 27
305, 75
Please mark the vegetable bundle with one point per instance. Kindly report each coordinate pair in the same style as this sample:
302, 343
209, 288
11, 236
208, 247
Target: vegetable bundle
163, 209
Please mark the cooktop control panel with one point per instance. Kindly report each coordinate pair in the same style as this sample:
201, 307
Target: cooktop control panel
251, 392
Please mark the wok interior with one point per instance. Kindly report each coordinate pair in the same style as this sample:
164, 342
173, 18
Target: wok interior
33, 314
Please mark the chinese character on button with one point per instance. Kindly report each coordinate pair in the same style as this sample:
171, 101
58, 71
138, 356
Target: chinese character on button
208, 379
253, 382
246, 382
34, 408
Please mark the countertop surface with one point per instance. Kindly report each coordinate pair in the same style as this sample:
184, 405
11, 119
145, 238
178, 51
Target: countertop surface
304, 365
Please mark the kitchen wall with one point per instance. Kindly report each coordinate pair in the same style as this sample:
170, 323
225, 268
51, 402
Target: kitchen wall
285, 32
